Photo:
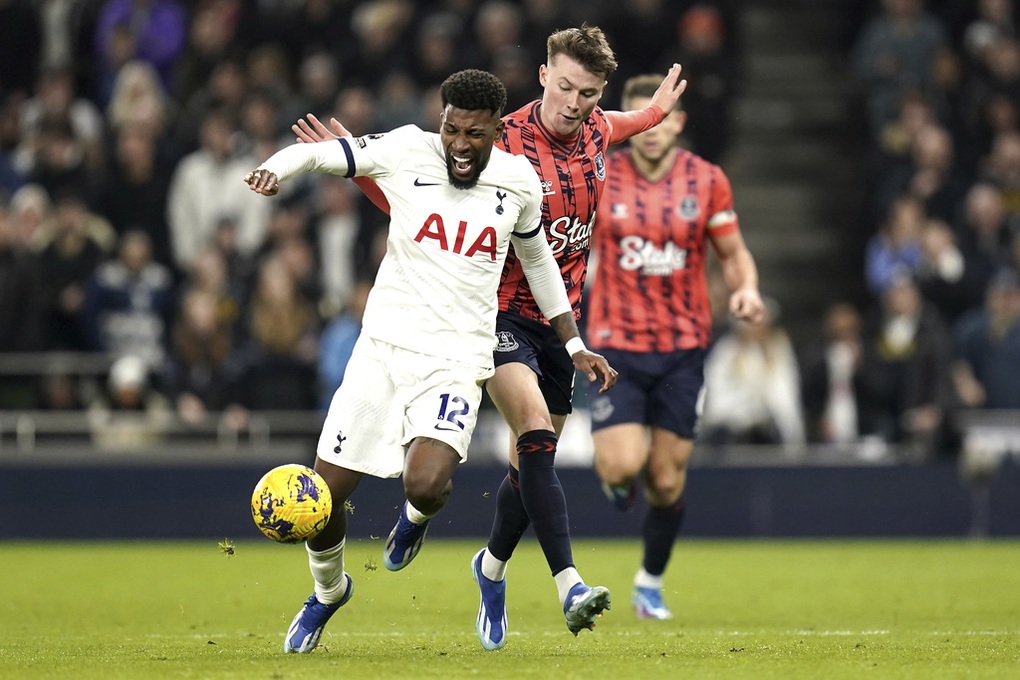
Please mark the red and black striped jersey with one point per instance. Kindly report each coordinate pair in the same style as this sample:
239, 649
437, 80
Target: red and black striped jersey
573, 174
650, 293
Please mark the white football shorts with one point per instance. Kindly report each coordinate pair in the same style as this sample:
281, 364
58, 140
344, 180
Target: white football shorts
391, 395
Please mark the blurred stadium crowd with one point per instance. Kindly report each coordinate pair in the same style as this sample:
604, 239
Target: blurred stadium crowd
125, 229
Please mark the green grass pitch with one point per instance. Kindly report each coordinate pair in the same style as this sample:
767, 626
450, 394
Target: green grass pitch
744, 609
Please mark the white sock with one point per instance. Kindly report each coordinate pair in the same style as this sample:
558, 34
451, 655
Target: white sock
327, 568
642, 579
414, 514
565, 580
493, 569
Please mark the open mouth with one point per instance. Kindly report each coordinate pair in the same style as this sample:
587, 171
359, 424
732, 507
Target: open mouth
462, 166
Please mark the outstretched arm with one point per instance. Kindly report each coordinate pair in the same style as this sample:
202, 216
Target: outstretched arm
627, 124
313, 130
294, 160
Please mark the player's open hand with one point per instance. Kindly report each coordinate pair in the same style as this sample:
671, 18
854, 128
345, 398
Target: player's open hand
746, 304
311, 129
263, 182
595, 366
670, 89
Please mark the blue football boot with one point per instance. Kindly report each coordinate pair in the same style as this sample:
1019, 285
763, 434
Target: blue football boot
583, 605
491, 622
306, 628
404, 542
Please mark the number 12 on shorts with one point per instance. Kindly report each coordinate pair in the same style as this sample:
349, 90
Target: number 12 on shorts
451, 410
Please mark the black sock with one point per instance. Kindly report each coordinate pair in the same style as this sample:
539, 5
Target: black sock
659, 531
511, 520
543, 497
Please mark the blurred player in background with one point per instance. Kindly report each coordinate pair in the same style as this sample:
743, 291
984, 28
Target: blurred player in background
649, 312
565, 137
409, 401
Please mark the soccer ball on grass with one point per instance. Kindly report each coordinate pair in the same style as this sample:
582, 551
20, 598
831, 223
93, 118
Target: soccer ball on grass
291, 503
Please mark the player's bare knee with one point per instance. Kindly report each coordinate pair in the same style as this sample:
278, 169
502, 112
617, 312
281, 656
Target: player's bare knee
617, 472
664, 489
427, 493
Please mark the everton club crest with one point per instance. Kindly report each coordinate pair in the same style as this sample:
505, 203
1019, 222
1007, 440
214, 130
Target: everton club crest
688, 208
600, 167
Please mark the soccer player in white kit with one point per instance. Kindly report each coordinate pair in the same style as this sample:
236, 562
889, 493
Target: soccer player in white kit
409, 400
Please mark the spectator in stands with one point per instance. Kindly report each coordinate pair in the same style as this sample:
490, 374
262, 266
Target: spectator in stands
211, 274
259, 136
130, 415
12, 176
905, 373
831, 379
336, 224
133, 192
337, 342
20, 42
282, 343
128, 303
931, 175
269, 71
31, 207
138, 98
225, 91
951, 281
752, 386
986, 370
151, 30
58, 163
437, 49
994, 78
20, 278
58, 108
1001, 169
399, 101
702, 47
204, 189
638, 30
894, 55
319, 79
497, 24
71, 246
994, 21
201, 374
212, 40
987, 226
893, 149
307, 27
381, 44
896, 248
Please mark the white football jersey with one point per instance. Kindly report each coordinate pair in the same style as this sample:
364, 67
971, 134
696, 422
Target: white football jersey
435, 291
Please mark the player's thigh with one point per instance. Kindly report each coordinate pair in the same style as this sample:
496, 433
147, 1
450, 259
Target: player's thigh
514, 390
621, 451
361, 428
441, 399
674, 401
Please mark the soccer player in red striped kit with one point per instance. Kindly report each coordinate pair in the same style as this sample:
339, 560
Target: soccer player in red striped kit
566, 137
649, 314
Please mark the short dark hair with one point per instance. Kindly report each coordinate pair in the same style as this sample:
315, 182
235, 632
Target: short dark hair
641, 86
473, 90
587, 46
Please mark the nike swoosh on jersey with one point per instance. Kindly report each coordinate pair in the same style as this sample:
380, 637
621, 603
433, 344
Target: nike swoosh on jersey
449, 427
419, 183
